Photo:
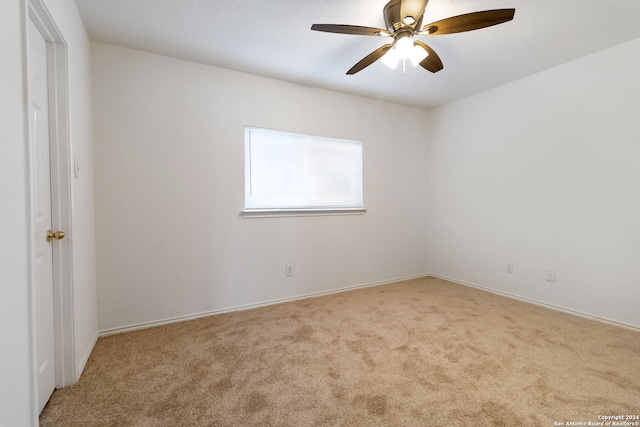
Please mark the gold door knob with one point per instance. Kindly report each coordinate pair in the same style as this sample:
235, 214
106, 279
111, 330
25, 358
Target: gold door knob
57, 235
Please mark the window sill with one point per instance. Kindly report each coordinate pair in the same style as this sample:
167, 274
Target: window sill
275, 213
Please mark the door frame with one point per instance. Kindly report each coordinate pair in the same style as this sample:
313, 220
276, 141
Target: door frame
61, 200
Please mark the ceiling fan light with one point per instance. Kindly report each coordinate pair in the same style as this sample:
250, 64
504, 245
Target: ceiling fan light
417, 55
404, 47
391, 59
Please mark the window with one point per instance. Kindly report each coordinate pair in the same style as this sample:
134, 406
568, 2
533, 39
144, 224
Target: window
288, 173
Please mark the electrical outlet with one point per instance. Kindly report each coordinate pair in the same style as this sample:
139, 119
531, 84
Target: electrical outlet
550, 275
509, 268
288, 271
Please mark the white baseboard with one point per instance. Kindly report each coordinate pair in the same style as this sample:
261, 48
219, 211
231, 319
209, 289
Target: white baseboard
145, 325
541, 303
85, 357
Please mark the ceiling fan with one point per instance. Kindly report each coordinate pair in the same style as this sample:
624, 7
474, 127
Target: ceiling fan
403, 19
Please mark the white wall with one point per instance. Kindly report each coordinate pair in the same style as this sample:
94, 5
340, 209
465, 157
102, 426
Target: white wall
170, 187
17, 404
544, 173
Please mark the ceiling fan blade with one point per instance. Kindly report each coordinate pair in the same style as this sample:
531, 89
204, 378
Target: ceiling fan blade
370, 59
432, 62
350, 29
413, 8
469, 22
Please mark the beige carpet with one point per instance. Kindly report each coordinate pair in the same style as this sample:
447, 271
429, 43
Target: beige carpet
422, 352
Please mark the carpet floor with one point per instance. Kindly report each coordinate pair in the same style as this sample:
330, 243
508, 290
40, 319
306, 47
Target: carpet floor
422, 352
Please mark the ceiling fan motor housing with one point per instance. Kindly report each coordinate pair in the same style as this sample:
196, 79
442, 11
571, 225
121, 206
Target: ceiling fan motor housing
394, 17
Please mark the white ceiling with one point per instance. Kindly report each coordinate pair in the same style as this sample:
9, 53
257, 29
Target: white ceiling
273, 39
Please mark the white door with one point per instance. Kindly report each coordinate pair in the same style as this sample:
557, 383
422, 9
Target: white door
41, 189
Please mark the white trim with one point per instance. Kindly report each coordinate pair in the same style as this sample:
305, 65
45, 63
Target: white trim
541, 304
60, 159
275, 213
87, 354
33, 353
177, 319
146, 325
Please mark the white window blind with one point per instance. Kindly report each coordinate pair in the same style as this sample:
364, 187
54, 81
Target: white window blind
288, 171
